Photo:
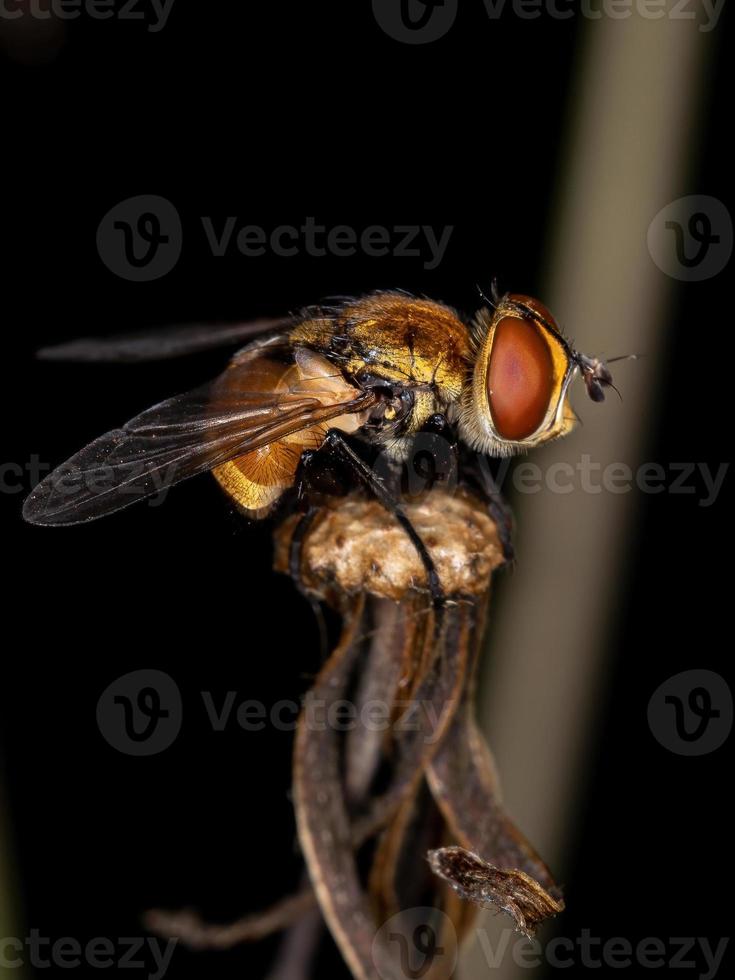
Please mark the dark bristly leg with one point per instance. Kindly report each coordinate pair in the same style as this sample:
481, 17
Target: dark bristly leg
497, 506
297, 543
294, 566
337, 443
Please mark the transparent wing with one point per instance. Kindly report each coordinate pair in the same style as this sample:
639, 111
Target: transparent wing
181, 437
161, 344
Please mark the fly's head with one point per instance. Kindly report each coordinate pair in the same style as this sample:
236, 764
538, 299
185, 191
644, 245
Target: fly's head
518, 396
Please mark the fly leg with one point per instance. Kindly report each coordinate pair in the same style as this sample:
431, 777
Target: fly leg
336, 443
297, 544
294, 568
313, 479
497, 505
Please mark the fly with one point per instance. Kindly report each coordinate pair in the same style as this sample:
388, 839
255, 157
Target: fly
327, 391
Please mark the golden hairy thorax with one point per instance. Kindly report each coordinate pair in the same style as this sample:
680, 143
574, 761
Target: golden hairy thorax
396, 338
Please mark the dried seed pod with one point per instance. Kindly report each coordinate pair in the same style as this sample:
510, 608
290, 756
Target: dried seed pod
355, 545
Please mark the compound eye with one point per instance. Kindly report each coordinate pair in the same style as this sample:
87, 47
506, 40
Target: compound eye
520, 379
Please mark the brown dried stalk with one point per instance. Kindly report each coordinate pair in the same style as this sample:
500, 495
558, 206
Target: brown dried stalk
423, 786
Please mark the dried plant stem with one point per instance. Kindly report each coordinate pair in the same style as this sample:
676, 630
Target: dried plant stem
425, 782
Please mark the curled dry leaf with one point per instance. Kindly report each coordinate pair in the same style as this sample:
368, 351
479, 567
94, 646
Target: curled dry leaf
477, 881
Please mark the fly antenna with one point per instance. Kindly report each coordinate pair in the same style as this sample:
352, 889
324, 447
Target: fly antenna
623, 357
595, 374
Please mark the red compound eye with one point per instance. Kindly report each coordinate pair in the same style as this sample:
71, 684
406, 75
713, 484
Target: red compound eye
520, 380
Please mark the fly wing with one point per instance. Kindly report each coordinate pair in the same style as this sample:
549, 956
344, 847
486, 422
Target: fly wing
161, 344
181, 437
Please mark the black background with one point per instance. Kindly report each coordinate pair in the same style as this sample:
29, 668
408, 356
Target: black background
274, 113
